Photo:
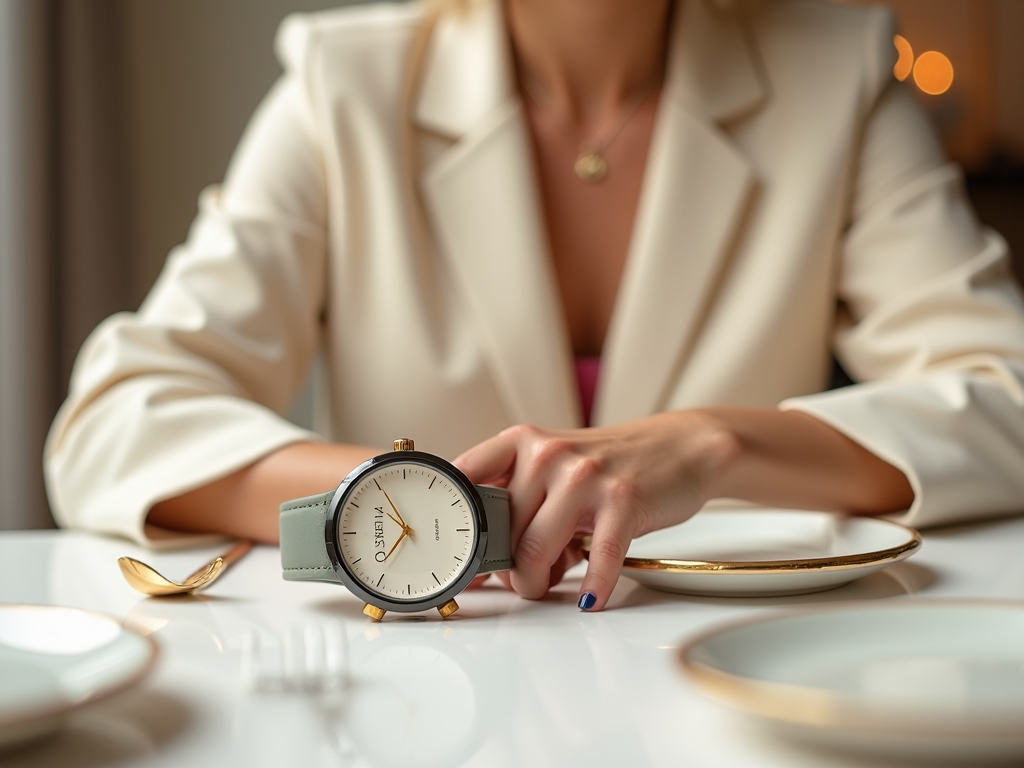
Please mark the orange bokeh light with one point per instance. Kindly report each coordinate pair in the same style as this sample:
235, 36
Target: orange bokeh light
933, 73
905, 63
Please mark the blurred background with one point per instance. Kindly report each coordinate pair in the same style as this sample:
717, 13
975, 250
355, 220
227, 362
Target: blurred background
114, 114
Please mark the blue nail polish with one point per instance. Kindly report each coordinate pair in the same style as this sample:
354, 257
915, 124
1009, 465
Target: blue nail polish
587, 600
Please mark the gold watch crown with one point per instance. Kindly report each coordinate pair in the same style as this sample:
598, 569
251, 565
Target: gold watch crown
404, 444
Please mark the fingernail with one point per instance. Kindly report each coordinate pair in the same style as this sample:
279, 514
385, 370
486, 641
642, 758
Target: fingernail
587, 600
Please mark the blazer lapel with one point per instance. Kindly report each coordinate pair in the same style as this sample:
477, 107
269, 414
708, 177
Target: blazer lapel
696, 187
481, 197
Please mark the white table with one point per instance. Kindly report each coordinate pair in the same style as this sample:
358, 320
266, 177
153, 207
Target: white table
505, 682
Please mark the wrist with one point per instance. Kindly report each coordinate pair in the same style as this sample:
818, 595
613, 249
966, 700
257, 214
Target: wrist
750, 448
716, 449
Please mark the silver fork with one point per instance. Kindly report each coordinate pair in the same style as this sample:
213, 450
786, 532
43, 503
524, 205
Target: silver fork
310, 658
307, 663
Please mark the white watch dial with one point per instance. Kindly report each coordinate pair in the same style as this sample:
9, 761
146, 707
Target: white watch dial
406, 531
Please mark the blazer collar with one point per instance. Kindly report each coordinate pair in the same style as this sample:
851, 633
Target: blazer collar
481, 196
698, 188
713, 68
467, 70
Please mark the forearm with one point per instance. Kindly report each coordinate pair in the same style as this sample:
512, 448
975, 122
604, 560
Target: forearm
791, 459
245, 503
779, 458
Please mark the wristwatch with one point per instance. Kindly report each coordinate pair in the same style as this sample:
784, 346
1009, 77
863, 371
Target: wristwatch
405, 531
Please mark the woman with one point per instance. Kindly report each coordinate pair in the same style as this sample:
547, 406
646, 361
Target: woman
453, 207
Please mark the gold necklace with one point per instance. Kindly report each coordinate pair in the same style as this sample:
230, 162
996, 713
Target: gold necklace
591, 165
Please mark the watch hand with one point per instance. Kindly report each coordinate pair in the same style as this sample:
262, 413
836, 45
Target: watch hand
401, 520
397, 542
405, 528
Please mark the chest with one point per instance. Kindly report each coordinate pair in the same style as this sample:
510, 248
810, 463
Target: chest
589, 224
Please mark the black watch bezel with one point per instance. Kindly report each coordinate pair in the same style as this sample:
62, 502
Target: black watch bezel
352, 481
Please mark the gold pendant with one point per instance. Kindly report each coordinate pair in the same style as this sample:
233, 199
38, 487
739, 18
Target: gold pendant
590, 166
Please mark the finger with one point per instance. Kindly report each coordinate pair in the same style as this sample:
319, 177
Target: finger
612, 534
490, 460
543, 459
507, 460
478, 581
544, 541
505, 578
574, 552
562, 564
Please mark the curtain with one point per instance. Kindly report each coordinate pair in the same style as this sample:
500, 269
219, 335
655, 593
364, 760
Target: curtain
63, 222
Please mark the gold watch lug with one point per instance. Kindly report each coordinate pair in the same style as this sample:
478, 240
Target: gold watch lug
374, 612
447, 609
405, 444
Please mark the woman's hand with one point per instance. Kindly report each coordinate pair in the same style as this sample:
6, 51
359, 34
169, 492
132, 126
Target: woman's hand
620, 482
616, 483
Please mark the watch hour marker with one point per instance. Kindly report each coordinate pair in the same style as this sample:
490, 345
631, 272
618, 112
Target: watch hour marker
354, 504
435, 577
462, 529
432, 483
457, 558
377, 484
457, 501
403, 473
409, 587
380, 579
356, 561
350, 533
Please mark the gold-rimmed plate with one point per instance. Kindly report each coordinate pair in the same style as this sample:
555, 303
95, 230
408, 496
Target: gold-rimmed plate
766, 552
935, 680
54, 660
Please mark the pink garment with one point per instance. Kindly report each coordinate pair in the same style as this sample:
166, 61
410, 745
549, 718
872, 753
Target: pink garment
587, 371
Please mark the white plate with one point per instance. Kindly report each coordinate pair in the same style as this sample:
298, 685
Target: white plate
763, 552
939, 680
54, 660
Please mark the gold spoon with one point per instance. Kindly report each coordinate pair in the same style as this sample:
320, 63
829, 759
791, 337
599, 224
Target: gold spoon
147, 581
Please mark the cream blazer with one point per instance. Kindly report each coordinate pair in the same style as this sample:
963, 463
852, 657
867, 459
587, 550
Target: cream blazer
795, 203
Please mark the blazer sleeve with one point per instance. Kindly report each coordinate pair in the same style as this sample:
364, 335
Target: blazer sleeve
931, 319
194, 385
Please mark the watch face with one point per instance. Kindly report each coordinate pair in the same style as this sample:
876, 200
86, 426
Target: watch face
406, 530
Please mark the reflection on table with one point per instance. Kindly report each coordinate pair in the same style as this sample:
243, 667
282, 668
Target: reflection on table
261, 672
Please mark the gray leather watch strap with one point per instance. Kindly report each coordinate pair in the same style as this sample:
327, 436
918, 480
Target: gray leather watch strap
303, 547
498, 555
303, 524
